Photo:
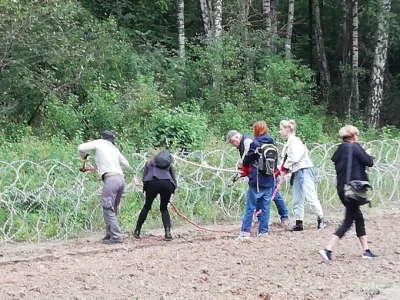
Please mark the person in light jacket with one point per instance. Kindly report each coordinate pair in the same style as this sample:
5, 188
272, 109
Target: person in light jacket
298, 162
109, 162
157, 181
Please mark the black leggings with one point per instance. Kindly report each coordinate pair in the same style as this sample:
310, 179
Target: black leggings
165, 188
353, 213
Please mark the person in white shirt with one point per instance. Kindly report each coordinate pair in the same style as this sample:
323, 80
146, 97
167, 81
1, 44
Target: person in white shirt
298, 162
109, 162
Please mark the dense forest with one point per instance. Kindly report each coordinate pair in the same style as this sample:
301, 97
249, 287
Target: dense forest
185, 72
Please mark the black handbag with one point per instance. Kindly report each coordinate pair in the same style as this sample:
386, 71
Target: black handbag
355, 191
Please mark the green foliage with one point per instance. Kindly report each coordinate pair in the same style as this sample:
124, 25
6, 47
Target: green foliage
179, 128
63, 119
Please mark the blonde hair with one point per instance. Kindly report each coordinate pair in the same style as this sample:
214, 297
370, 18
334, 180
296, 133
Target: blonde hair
348, 131
289, 124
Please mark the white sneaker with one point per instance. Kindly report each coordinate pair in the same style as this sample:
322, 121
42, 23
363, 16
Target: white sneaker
262, 234
243, 235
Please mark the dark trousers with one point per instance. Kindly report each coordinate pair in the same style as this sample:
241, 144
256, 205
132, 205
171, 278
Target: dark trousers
164, 188
352, 214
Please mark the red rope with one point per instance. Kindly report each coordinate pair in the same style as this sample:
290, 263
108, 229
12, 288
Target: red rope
178, 212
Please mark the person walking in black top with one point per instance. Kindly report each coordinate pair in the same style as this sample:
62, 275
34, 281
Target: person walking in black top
360, 160
162, 181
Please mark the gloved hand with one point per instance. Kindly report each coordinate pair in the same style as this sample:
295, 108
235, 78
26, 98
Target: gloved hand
245, 171
280, 171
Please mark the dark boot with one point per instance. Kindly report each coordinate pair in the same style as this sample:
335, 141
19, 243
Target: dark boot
168, 235
167, 224
136, 233
320, 223
142, 217
298, 226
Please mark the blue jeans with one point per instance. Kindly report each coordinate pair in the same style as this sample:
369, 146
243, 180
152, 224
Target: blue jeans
280, 206
257, 200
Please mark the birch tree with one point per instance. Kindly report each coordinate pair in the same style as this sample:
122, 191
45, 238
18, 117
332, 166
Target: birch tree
266, 10
181, 27
375, 98
345, 64
274, 23
206, 8
289, 29
355, 90
218, 18
211, 14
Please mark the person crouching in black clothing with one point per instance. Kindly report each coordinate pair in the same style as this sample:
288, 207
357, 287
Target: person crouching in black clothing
360, 160
161, 180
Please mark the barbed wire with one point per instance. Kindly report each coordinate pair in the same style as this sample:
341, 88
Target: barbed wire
52, 200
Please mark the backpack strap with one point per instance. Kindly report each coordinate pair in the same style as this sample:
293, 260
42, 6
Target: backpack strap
349, 162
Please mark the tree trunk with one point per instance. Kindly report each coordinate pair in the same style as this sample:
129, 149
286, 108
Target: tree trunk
289, 29
375, 98
274, 24
355, 90
181, 27
310, 33
218, 19
207, 17
323, 62
243, 7
266, 9
345, 69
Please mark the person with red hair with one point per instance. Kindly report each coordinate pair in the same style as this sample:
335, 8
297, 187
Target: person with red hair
242, 143
261, 186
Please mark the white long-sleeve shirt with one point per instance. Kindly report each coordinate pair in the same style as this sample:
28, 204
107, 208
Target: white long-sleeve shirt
107, 157
297, 154
246, 143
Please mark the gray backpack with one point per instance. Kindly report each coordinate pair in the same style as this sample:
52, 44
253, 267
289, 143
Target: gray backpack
268, 159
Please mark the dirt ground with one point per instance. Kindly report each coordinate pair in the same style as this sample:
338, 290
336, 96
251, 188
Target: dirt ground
204, 265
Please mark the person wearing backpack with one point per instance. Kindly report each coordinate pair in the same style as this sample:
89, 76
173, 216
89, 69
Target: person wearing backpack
242, 143
298, 162
261, 184
109, 162
158, 179
360, 159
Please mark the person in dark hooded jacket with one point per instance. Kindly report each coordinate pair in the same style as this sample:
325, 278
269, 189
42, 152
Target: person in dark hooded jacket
360, 160
242, 143
260, 186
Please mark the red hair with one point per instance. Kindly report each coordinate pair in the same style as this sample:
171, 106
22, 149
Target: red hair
259, 128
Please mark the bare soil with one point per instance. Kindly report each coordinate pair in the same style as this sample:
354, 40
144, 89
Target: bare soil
204, 265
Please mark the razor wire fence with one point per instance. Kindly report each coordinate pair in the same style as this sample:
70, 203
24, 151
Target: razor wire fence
51, 199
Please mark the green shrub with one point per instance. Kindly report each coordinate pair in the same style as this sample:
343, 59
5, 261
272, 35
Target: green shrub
179, 128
